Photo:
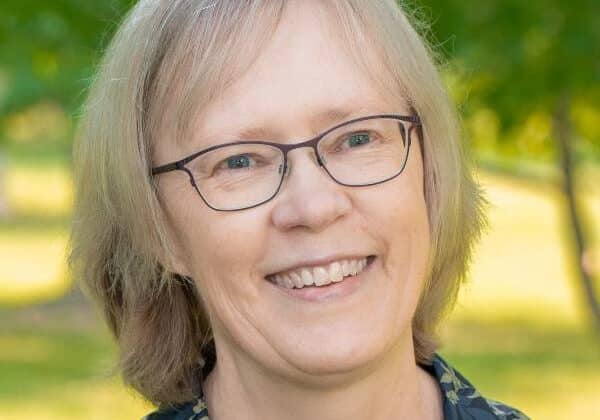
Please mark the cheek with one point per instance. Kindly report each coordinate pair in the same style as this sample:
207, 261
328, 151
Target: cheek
224, 251
214, 247
406, 231
412, 218
396, 213
409, 209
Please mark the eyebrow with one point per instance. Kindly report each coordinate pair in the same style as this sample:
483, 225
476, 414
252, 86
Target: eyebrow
319, 121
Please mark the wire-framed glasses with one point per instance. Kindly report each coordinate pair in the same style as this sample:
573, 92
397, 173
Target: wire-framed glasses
244, 174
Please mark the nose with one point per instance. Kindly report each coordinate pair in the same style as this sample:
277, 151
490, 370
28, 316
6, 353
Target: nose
308, 198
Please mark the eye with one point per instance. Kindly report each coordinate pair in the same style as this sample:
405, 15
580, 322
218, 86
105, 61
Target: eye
358, 139
241, 164
237, 162
354, 140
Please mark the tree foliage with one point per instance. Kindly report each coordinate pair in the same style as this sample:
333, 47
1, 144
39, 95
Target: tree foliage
518, 58
48, 49
510, 62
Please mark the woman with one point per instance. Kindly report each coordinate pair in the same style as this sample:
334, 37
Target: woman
273, 211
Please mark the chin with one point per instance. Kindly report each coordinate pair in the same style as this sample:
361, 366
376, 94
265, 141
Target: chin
337, 358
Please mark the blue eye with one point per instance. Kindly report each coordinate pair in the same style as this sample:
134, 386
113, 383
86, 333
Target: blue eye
359, 139
235, 162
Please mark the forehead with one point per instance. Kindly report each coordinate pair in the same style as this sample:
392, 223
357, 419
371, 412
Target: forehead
302, 78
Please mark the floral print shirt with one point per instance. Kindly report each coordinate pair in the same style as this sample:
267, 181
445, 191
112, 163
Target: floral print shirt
460, 399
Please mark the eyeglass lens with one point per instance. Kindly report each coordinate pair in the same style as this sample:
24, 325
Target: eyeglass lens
356, 154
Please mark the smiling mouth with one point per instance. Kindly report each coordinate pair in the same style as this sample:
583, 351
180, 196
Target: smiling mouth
321, 276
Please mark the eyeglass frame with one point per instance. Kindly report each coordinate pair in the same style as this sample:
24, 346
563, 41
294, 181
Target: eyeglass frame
287, 147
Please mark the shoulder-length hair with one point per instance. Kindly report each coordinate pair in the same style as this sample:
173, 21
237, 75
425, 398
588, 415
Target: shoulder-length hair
166, 62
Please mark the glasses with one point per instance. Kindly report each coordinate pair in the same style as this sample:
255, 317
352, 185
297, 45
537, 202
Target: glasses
241, 175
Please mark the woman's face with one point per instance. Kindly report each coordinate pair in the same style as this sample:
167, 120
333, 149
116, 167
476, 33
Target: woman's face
298, 79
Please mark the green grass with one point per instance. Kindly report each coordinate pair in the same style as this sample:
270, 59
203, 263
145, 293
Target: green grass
58, 370
548, 371
519, 332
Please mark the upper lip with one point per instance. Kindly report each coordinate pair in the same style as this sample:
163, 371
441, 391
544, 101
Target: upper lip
313, 262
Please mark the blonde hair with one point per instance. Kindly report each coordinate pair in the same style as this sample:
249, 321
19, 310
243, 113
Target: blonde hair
168, 60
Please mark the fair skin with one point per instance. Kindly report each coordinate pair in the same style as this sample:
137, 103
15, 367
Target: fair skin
350, 357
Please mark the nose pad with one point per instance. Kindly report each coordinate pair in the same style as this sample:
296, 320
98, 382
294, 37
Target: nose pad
285, 168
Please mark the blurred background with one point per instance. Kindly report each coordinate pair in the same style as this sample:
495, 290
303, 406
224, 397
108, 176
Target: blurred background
526, 76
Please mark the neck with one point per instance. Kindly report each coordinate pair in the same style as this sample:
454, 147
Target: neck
390, 388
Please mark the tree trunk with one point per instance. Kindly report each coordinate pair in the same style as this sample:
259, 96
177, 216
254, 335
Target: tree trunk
563, 137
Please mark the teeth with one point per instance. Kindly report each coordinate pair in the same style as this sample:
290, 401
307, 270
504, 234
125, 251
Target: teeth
320, 276
296, 279
345, 268
306, 276
353, 268
335, 272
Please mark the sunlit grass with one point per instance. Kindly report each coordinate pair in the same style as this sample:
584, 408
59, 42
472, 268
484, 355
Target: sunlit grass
548, 371
518, 332
33, 240
521, 261
43, 191
33, 266
87, 400
49, 373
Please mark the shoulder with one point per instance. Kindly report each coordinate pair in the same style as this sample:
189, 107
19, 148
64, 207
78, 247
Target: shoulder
193, 410
462, 401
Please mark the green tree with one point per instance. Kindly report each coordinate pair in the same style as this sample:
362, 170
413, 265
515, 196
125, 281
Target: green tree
521, 57
527, 58
48, 49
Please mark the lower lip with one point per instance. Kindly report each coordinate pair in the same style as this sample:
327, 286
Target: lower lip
332, 291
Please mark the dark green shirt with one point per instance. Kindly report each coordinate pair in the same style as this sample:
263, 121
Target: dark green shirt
460, 398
